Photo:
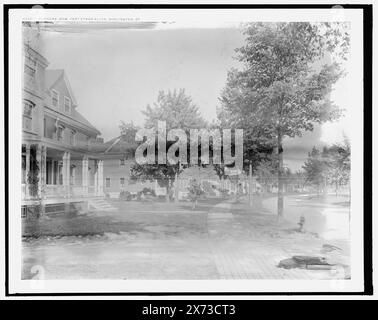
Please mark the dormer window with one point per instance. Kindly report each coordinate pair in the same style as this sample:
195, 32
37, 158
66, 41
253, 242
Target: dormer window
122, 162
67, 105
55, 98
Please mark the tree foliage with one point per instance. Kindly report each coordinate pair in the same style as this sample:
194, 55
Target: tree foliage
331, 166
314, 168
195, 191
286, 81
177, 109
33, 175
128, 130
284, 87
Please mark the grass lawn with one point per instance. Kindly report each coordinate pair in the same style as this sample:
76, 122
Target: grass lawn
131, 217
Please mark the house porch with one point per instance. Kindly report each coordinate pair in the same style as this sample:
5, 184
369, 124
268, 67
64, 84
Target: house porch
54, 176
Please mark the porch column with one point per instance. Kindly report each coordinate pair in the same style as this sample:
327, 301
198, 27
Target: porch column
38, 155
66, 172
27, 170
41, 159
27, 164
51, 174
85, 174
100, 178
43, 169
95, 176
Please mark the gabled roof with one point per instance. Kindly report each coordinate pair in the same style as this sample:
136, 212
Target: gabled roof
52, 76
79, 117
118, 145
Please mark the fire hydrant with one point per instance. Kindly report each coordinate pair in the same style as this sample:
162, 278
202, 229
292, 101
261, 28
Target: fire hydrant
301, 223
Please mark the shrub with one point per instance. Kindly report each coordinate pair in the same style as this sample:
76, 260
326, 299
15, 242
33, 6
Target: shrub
125, 195
149, 191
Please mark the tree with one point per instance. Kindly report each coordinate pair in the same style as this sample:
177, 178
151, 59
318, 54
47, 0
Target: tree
329, 167
127, 138
337, 164
265, 173
195, 191
33, 174
315, 169
163, 173
177, 109
285, 84
128, 130
179, 112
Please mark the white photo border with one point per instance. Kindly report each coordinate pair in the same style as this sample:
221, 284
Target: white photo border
16, 286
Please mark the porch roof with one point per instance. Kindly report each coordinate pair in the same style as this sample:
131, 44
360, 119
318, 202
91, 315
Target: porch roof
120, 145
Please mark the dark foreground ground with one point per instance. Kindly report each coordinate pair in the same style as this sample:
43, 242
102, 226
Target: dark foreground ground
217, 240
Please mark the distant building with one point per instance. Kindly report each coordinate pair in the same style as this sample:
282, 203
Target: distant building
118, 157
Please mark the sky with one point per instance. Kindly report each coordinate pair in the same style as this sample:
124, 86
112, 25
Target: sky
115, 73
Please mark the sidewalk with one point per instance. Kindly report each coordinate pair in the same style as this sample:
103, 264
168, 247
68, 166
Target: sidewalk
242, 255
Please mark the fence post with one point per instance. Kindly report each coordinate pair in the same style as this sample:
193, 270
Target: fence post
250, 185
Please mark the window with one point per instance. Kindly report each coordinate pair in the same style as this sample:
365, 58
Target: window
59, 133
44, 127
122, 162
29, 71
107, 182
30, 66
23, 168
122, 182
55, 98
27, 115
28, 107
23, 212
67, 105
73, 137
87, 141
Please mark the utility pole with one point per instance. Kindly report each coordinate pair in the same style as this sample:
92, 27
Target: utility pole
176, 184
250, 184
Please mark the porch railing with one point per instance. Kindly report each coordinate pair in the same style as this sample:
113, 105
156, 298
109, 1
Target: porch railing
55, 191
91, 191
61, 191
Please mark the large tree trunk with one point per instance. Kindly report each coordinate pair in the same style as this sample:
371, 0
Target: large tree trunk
250, 185
280, 199
167, 198
325, 188
194, 204
176, 188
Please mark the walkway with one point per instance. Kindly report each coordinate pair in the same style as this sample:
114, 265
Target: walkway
237, 258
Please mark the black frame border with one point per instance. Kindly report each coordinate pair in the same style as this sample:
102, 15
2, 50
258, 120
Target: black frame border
367, 137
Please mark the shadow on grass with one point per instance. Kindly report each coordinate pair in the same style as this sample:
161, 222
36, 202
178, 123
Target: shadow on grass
60, 226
